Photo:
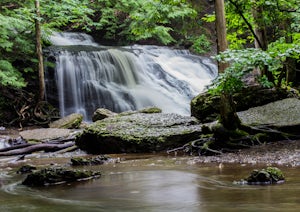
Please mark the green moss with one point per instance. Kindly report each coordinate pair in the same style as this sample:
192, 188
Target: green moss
270, 175
151, 110
52, 176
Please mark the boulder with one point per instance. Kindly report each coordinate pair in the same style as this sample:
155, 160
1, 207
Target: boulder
138, 132
283, 114
54, 176
71, 121
205, 107
270, 175
102, 113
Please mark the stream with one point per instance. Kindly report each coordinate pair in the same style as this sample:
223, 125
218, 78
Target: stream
150, 183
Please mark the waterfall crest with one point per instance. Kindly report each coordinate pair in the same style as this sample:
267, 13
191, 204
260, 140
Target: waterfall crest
87, 76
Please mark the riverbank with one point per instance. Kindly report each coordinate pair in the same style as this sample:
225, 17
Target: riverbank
282, 153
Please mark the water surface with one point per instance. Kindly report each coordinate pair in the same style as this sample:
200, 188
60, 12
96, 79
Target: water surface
155, 184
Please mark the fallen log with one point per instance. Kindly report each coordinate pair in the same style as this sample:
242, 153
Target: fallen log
38, 147
6, 149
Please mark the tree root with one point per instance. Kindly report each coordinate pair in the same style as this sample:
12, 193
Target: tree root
221, 140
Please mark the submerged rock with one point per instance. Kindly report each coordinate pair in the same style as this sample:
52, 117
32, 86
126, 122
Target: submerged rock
80, 161
270, 175
138, 132
54, 176
26, 169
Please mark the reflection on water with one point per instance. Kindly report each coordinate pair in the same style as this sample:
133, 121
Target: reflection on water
155, 185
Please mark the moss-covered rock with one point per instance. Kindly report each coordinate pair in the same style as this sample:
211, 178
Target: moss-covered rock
206, 107
80, 161
102, 113
150, 110
283, 114
71, 121
138, 132
53, 176
270, 175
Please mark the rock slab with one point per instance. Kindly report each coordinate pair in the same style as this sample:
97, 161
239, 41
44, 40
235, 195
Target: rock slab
139, 132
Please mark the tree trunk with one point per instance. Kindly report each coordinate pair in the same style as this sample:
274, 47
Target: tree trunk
228, 115
222, 44
260, 35
290, 64
39, 52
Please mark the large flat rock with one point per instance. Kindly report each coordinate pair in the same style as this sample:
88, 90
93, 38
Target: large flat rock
281, 114
138, 132
44, 134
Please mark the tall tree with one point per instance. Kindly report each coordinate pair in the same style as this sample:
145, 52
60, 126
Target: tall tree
228, 116
39, 51
222, 44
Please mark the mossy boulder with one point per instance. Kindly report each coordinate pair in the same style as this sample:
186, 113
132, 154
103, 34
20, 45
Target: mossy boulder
71, 121
270, 175
54, 176
138, 132
206, 107
102, 113
283, 114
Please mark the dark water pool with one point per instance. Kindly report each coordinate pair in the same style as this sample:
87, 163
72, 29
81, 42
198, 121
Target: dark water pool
155, 184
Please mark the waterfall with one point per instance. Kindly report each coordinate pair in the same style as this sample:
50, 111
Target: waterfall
87, 76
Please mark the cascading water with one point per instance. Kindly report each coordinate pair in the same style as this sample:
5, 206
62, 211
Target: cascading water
88, 76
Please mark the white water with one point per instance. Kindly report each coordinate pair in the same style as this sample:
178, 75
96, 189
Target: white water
89, 76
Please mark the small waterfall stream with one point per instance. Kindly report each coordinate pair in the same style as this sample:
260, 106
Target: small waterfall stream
87, 76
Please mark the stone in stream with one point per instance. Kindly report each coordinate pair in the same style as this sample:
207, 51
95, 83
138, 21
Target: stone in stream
54, 176
138, 132
270, 175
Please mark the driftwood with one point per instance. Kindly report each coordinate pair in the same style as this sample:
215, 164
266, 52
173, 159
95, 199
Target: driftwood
19, 146
50, 147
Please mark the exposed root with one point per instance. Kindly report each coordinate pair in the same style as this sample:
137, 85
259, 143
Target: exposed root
222, 140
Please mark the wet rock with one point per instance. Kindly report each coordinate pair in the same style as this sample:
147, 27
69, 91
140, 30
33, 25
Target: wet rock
54, 176
71, 121
270, 175
26, 169
102, 113
80, 161
138, 132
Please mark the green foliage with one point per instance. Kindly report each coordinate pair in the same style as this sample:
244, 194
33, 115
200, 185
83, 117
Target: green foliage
201, 44
9, 76
244, 61
140, 19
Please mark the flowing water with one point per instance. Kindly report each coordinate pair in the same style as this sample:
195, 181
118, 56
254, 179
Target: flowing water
154, 183
87, 76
